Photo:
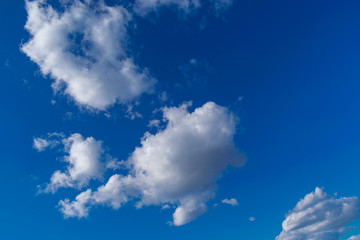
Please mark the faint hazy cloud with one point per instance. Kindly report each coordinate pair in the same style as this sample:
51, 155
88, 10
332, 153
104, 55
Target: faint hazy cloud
233, 202
143, 7
196, 73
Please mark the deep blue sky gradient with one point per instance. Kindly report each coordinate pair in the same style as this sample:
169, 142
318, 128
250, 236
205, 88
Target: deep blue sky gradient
295, 63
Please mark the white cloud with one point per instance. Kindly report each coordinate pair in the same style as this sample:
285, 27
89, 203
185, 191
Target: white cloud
77, 208
86, 160
233, 202
357, 237
178, 165
154, 123
189, 210
84, 50
83, 47
166, 206
50, 141
252, 219
41, 144
319, 216
145, 6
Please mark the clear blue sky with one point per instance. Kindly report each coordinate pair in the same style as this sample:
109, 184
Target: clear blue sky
295, 67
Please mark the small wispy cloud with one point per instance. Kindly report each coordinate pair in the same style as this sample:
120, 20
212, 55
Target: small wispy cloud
233, 202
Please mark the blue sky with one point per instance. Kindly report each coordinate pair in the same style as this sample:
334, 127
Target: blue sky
282, 76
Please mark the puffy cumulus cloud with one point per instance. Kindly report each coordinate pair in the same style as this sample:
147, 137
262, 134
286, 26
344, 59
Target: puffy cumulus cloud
78, 208
145, 6
83, 48
233, 202
178, 166
86, 160
319, 216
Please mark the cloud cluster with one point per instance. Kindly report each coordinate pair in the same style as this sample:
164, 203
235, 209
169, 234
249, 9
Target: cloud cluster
178, 165
319, 216
82, 46
86, 160
84, 50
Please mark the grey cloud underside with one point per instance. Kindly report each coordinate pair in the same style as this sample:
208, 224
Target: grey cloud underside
319, 216
177, 166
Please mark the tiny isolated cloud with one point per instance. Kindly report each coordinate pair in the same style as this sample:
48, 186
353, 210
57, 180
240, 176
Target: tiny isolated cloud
177, 166
85, 160
252, 219
233, 202
83, 49
319, 216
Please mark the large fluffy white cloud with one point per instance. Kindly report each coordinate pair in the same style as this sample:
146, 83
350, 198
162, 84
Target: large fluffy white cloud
178, 165
319, 216
83, 48
85, 160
